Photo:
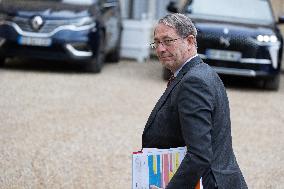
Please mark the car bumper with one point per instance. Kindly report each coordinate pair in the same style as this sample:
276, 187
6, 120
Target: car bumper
245, 67
66, 43
240, 72
56, 52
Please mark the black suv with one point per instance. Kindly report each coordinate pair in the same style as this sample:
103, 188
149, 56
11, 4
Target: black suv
82, 31
238, 37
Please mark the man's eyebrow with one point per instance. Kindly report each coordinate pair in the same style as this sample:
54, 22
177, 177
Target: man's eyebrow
163, 38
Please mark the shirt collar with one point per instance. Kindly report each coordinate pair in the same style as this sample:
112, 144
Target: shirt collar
176, 72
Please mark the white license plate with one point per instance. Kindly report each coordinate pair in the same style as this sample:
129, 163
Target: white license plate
223, 55
34, 41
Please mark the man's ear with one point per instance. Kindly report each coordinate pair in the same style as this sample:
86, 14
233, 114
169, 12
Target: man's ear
191, 39
191, 42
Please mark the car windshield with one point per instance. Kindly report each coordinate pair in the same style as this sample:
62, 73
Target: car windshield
80, 2
77, 2
254, 11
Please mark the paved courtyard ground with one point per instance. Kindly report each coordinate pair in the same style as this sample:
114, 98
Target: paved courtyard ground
62, 128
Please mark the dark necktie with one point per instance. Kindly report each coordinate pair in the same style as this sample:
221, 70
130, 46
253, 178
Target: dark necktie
171, 79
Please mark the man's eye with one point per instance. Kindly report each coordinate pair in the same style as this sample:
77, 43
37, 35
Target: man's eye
167, 41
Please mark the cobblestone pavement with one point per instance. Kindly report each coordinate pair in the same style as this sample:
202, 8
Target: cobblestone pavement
62, 128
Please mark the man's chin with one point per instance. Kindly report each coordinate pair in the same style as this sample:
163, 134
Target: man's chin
167, 64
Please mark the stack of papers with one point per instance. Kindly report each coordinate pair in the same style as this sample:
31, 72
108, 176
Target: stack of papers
154, 166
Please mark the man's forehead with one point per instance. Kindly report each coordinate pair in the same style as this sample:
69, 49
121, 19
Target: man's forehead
163, 31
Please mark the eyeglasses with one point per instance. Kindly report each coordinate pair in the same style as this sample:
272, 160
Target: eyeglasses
166, 42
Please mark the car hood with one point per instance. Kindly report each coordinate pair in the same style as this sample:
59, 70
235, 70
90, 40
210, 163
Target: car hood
204, 27
46, 9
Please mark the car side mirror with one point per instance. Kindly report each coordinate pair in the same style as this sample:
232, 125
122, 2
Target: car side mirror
172, 7
281, 19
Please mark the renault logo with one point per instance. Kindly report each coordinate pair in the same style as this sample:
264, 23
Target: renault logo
36, 22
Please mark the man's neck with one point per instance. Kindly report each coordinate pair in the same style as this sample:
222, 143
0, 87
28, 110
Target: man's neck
185, 62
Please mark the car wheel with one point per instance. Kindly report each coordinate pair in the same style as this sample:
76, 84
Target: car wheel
96, 64
2, 61
114, 56
166, 74
272, 83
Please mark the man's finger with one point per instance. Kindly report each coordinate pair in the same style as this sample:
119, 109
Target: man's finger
154, 187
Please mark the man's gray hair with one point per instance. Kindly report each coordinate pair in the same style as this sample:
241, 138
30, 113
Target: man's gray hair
181, 23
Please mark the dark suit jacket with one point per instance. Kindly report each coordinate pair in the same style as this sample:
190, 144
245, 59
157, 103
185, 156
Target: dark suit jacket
194, 112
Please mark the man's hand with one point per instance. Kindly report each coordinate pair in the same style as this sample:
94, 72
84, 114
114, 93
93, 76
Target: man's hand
154, 187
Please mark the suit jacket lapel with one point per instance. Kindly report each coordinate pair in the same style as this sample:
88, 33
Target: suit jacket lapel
168, 90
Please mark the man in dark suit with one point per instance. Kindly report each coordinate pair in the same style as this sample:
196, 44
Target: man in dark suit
193, 112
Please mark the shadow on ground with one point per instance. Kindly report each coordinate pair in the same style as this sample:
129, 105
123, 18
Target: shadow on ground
44, 66
241, 83
65, 67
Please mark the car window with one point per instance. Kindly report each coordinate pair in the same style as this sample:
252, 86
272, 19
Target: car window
247, 10
80, 2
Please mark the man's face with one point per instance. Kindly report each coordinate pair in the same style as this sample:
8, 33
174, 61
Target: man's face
172, 50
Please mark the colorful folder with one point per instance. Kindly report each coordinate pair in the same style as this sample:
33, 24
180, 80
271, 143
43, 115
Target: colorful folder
153, 166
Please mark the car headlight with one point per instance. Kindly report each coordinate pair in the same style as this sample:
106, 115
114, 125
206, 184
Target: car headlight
267, 38
272, 43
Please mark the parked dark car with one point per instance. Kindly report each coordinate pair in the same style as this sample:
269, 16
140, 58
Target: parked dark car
84, 31
238, 38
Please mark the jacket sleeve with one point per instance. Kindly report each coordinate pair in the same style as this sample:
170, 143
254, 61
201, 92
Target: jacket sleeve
195, 108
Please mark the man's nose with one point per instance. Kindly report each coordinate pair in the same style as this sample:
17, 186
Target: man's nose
160, 47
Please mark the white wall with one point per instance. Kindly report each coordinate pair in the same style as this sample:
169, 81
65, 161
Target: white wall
153, 9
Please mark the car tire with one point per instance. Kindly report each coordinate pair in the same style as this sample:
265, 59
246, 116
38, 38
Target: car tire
114, 56
272, 83
2, 61
166, 74
95, 65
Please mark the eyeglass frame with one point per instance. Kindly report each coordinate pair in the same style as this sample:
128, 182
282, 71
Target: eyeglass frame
165, 42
